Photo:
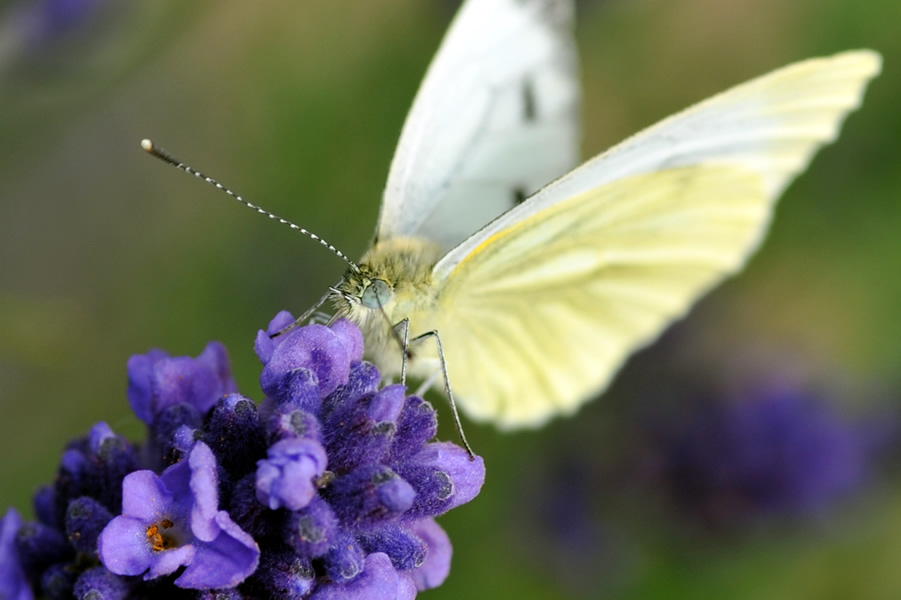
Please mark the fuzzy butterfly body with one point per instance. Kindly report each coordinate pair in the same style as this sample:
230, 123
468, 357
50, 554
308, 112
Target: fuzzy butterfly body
541, 279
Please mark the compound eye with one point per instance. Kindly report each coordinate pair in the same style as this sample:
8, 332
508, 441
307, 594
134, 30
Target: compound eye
376, 294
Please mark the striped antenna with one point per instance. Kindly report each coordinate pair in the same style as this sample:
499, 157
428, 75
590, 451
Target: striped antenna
164, 156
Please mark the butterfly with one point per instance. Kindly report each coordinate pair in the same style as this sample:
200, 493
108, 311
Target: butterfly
540, 283
500, 265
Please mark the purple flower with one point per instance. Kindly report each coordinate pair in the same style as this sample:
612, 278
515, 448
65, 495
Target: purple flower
286, 477
173, 520
13, 583
157, 381
770, 451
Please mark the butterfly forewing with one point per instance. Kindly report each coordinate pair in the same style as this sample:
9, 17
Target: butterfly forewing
771, 125
495, 118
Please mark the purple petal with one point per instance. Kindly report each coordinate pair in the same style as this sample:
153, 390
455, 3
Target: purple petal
223, 562
386, 405
396, 495
215, 358
467, 475
363, 380
13, 583
99, 433
123, 546
350, 337
184, 379
157, 381
265, 345
167, 562
140, 382
313, 347
378, 581
436, 567
145, 496
205, 492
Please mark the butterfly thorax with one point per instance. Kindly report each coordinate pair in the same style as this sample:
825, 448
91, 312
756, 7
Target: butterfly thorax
405, 265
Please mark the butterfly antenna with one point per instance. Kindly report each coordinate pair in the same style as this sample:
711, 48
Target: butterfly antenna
164, 156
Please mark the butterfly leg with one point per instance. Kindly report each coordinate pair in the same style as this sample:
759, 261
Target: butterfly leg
447, 386
404, 348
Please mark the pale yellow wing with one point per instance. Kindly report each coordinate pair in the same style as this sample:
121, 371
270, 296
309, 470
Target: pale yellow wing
540, 317
539, 308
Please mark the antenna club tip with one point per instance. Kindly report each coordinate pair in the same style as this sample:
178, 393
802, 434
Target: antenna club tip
147, 145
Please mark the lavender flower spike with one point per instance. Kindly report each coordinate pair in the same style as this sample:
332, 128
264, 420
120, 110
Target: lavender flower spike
328, 489
173, 520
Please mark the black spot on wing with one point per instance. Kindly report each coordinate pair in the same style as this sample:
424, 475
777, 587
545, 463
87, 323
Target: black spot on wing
519, 195
529, 102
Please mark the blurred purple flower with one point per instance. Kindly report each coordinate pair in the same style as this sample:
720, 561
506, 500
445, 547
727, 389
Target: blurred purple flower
772, 451
13, 583
33, 28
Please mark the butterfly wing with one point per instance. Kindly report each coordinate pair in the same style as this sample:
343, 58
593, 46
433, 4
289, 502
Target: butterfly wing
542, 306
495, 118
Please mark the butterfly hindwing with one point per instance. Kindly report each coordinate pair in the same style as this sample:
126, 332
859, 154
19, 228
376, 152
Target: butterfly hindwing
541, 306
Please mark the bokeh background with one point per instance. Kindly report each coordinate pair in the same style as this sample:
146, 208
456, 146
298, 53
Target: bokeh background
750, 454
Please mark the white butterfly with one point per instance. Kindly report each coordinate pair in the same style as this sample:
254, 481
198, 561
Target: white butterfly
539, 294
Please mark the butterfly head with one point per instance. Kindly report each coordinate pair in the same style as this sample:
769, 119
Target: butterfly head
389, 273
362, 290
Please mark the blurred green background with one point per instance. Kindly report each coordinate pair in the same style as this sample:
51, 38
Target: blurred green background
105, 252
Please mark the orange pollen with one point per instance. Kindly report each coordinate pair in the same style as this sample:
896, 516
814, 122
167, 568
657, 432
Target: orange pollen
158, 541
